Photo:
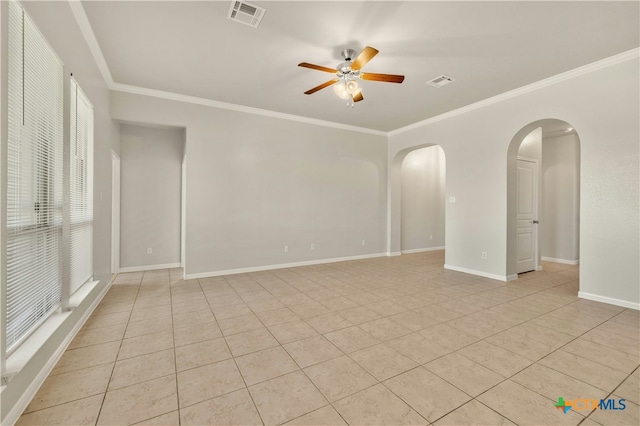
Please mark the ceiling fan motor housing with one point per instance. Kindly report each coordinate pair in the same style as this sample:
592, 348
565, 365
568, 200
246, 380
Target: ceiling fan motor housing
349, 54
344, 70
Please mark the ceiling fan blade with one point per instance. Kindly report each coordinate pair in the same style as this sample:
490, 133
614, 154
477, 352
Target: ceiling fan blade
387, 78
365, 56
358, 97
316, 67
322, 86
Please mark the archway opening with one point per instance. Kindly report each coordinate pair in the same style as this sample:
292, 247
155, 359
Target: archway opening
423, 200
543, 196
417, 200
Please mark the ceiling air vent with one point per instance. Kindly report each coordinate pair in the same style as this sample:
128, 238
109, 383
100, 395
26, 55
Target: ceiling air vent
245, 13
440, 81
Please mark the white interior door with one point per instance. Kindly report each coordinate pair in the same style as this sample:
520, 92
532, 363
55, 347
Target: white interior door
527, 215
115, 213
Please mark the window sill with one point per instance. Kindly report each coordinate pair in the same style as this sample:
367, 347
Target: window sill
76, 298
23, 354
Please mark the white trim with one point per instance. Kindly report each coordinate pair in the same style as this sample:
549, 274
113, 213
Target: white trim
480, 273
92, 42
241, 108
564, 261
576, 72
115, 212
512, 277
32, 344
394, 253
421, 250
183, 207
280, 266
85, 27
149, 267
23, 354
76, 298
609, 300
24, 400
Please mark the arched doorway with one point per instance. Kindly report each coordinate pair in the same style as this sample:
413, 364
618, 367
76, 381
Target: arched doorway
417, 200
423, 200
543, 196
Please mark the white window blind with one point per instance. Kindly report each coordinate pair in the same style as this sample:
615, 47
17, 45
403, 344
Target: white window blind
81, 191
34, 178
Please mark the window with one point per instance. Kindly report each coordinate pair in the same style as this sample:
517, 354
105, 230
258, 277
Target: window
34, 178
49, 238
81, 188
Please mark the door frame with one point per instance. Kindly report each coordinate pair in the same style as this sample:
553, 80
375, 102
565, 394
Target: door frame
183, 215
115, 212
536, 209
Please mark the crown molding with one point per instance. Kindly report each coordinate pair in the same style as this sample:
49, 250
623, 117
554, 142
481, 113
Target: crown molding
576, 72
89, 36
87, 31
241, 108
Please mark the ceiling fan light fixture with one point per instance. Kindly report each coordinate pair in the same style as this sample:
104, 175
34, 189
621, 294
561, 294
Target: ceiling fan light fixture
345, 83
340, 88
352, 87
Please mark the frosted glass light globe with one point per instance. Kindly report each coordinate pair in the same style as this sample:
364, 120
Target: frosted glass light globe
352, 87
341, 90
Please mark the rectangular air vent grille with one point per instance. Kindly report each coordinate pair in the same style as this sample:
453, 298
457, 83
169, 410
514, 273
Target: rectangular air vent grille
440, 81
245, 13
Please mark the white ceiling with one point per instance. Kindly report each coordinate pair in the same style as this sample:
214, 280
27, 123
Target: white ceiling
191, 48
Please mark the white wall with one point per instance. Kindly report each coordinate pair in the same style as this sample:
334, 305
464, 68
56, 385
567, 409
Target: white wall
603, 106
423, 186
150, 206
560, 216
531, 146
255, 184
56, 22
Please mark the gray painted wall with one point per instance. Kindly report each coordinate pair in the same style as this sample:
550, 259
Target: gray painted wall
560, 216
150, 198
423, 188
256, 184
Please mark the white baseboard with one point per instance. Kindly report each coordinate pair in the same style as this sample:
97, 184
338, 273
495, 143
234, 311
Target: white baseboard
564, 261
149, 267
609, 300
280, 266
420, 250
393, 253
480, 273
512, 277
24, 400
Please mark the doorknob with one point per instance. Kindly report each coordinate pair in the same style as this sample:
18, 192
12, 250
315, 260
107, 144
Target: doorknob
536, 221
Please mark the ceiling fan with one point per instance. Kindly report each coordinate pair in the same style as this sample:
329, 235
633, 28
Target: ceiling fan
346, 73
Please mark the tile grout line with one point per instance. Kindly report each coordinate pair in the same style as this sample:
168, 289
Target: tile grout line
234, 361
119, 349
175, 355
300, 369
555, 350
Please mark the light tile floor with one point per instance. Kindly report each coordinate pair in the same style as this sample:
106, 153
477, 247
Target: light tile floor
383, 341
